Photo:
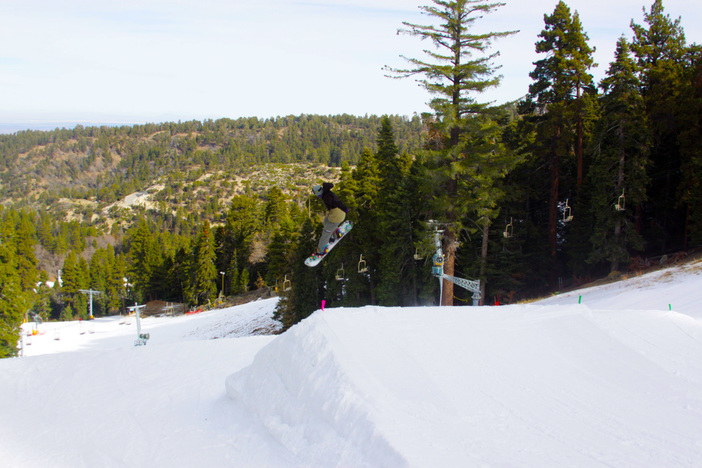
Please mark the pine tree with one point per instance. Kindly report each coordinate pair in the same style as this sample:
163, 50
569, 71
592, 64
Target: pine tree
398, 206
233, 276
179, 275
71, 283
488, 160
689, 140
243, 283
27, 261
618, 172
144, 260
241, 226
454, 76
660, 49
204, 271
114, 287
367, 235
12, 299
307, 286
275, 209
562, 93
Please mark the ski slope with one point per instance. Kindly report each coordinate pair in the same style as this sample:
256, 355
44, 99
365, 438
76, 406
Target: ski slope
613, 381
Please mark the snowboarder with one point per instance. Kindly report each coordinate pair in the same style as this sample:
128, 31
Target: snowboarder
336, 213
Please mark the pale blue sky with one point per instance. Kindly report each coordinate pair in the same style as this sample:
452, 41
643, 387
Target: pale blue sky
136, 61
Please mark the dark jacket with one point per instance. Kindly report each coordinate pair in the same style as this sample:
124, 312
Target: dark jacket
330, 199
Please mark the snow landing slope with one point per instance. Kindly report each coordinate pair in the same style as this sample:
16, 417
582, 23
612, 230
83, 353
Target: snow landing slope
491, 386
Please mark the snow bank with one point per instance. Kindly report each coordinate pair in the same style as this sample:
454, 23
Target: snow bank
514, 386
155, 405
678, 288
254, 318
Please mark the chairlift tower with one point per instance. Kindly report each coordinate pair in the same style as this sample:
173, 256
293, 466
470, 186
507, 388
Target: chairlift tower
438, 271
90, 293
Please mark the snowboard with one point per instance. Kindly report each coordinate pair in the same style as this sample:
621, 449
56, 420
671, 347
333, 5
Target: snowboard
339, 233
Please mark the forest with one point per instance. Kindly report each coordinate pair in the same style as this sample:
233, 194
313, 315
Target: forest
577, 181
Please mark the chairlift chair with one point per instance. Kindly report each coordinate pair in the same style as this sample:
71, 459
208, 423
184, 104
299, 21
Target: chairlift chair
362, 266
417, 256
567, 213
509, 230
287, 284
340, 275
621, 203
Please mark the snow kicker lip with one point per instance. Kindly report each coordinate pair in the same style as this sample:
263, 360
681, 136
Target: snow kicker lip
321, 409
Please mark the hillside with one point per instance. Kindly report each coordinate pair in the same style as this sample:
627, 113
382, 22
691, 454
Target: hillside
614, 381
101, 175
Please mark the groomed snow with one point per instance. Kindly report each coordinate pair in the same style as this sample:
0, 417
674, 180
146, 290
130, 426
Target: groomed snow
613, 381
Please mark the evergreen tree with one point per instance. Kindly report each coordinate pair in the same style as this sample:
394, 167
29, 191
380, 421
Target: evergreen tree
114, 285
562, 94
144, 260
12, 299
307, 286
42, 305
367, 235
522, 253
100, 266
243, 283
67, 314
618, 173
660, 49
241, 226
398, 207
454, 76
279, 251
204, 271
26, 260
487, 161
74, 277
275, 210
233, 275
689, 140
179, 274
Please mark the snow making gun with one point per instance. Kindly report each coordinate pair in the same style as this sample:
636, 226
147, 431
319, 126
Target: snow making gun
438, 271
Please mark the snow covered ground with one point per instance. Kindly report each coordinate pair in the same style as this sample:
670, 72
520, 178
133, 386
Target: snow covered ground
613, 381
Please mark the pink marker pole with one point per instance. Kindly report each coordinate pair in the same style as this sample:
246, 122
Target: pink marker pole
323, 303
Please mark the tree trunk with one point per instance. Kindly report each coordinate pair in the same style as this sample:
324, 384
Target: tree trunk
581, 168
579, 146
483, 260
620, 185
553, 198
449, 262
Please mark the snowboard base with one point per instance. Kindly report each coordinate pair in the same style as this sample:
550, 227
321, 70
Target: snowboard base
340, 232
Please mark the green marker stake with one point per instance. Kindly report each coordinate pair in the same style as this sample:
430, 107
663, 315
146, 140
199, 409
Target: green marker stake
580, 299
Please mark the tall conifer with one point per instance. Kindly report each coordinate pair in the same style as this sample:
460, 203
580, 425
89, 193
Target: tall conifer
397, 207
689, 139
618, 172
12, 300
204, 271
562, 93
659, 48
305, 295
458, 69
